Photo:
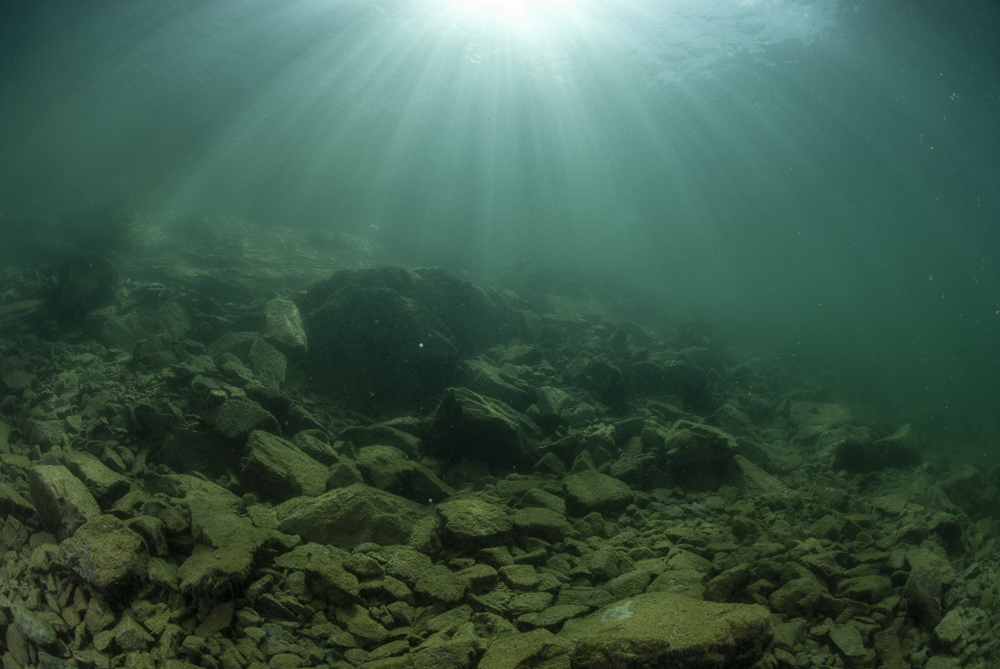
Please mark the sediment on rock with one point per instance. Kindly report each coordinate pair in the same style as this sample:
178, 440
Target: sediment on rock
194, 486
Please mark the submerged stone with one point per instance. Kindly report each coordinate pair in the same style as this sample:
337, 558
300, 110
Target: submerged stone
660, 629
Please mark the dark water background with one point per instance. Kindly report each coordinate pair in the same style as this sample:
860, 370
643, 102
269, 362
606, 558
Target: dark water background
819, 179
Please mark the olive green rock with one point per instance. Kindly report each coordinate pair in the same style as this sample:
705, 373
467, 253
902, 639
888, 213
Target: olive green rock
665, 630
277, 469
592, 491
333, 518
475, 522
62, 500
540, 649
108, 555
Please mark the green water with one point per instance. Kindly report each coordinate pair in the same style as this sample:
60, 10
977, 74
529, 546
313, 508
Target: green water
817, 178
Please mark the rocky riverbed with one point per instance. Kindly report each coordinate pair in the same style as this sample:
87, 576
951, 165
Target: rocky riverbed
243, 453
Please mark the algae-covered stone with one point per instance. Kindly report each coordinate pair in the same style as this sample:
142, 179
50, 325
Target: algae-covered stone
868, 589
543, 523
62, 499
105, 485
283, 327
227, 545
475, 522
590, 490
694, 443
468, 425
235, 419
324, 566
387, 468
799, 597
277, 469
346, 517
108, 555
659, 629
929, 573
384, 435
540, 649
430, 582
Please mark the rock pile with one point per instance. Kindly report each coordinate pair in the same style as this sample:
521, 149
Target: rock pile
395, 469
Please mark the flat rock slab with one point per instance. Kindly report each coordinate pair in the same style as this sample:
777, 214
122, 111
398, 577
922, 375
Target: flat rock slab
592, 491
346, 517
277, 469
539, 649
387, 468
104, 484
61, 498
227, 544
475, 522
665, 630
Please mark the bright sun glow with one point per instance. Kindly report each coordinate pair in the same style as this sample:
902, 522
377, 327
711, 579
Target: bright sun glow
522, 16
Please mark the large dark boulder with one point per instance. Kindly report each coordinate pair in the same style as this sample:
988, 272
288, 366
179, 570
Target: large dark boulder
392, 338
468, 425
86, 283
686, 381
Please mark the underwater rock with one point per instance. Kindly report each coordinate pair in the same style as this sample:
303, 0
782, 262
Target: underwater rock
108, 555
543, 523
472, 522
283, 328
390, 337
924, 588
388, 468
62, 500
105, 485
468, 425
332, 518
227, 545
384, 435
125, 330
539, 649
488, 380
277, 469
660, 629
694, 443
86, 283
236, 418
688, 382
590, 490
